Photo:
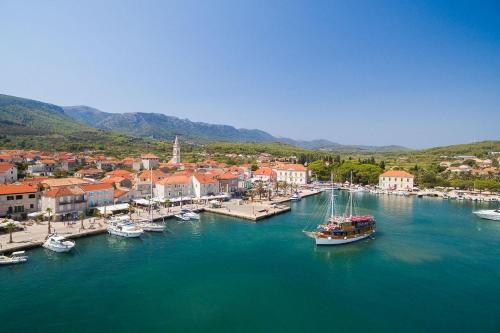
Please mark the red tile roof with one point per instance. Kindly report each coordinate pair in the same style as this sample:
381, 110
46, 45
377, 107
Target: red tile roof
96, 187
293, 167
18, 188
119, 172
156, 175
397, 173
175, 179
5, 167
119, 192
63, 191
265, 172
203, 178
112, 180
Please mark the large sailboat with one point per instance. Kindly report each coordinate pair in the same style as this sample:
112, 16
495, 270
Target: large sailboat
346, 228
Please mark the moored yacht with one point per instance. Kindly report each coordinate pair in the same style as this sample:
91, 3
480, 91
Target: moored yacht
58, 244
189, 213
295, 197
17, 257
124, 229
182, 217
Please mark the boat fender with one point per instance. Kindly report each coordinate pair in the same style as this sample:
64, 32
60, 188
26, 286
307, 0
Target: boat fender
345, 237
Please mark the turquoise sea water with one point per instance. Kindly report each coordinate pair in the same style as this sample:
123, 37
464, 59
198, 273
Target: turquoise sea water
432, 267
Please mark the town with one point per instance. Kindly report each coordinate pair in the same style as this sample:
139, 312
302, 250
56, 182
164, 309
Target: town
95, 186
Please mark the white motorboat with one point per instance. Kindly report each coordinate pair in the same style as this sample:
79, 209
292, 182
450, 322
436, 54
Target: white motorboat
189, 213
295, 197
488, 214
58, 244
125, 229
17, 257
183, 217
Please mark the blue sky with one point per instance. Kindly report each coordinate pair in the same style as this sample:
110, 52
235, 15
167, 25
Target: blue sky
413, 73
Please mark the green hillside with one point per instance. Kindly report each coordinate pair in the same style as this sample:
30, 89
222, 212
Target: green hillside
30, 124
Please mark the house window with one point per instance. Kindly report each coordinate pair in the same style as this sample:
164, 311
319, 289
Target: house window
18, 209
10, 197
31, 196
32, 206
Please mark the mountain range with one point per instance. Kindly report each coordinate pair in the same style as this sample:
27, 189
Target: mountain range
160, 126
29, 123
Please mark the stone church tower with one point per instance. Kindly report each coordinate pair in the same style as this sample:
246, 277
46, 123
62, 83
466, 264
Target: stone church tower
176, 151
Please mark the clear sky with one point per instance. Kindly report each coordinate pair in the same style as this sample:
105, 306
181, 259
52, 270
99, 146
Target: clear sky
413, 73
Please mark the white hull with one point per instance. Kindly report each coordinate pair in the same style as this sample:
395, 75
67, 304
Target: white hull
11, 261
59, 249
58, 244
488, 214
338, 241
182, 217
127, 234
152, 227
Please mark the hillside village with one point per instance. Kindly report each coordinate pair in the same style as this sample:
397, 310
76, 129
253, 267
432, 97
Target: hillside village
97, 181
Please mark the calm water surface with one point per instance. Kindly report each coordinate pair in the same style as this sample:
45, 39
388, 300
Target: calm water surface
432, 267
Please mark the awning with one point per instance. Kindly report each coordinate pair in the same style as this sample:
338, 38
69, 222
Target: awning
112, 208
35, 214
142, 202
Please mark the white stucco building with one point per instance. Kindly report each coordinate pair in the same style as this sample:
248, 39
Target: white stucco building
396, 180
291, 173
8, 173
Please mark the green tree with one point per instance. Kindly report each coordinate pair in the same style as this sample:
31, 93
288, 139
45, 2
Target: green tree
82, 217
9, 226
320, 170
49, 211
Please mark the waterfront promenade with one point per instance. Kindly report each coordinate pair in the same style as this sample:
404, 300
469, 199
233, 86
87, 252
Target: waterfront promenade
35, 234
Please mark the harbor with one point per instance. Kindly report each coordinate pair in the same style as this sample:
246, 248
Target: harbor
244, 272
34, 234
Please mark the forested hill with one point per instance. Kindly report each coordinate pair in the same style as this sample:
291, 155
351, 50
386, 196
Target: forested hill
161, 126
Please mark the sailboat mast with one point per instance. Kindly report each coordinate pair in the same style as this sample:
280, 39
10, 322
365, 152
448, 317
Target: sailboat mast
350, 199
332, 213
151, 193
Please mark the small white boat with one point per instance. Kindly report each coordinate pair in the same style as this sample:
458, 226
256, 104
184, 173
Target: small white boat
58, 244
488, 214
125, 229
295, 197
17, 257
183, 217
189, 213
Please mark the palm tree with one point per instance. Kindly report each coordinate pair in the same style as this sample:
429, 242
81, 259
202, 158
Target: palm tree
251, 194
49, 210
10, 227
260, 189
82, 217
284, 186
130, 210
